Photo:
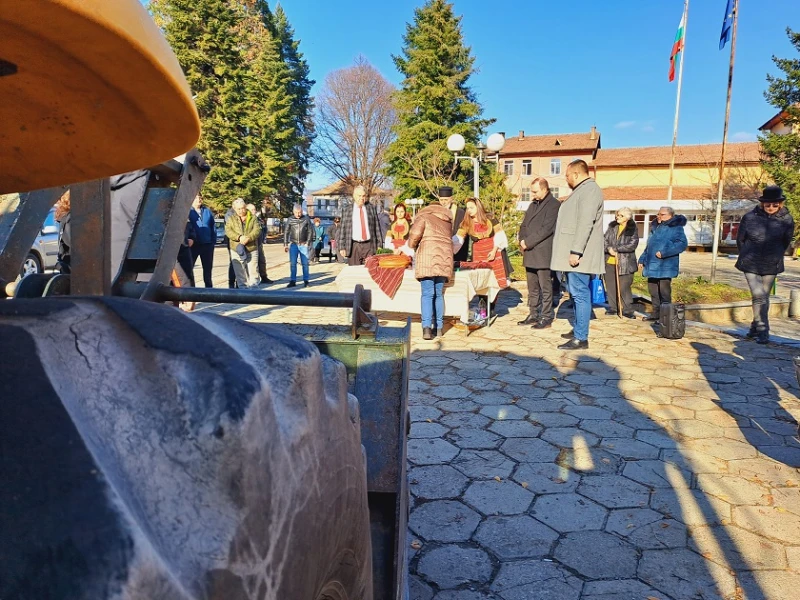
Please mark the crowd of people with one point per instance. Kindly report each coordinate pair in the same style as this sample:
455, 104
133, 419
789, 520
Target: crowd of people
561, 242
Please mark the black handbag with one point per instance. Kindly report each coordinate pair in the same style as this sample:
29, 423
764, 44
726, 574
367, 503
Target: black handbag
672, 321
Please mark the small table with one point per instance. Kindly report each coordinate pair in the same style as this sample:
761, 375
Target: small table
457, 292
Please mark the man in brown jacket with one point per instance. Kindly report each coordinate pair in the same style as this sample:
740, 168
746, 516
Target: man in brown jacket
431, 237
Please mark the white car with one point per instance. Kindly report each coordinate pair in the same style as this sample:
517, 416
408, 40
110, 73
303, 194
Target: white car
44, 252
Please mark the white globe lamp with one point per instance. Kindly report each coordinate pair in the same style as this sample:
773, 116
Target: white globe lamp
495, 142
456, 142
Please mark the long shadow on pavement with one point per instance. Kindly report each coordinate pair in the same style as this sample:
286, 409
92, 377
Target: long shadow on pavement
532, 481
747, 386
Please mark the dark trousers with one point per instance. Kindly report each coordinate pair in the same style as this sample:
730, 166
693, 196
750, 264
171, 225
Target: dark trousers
359, 253
625, 293
540, 293
185, 265
206, 254
660, 293
262, 263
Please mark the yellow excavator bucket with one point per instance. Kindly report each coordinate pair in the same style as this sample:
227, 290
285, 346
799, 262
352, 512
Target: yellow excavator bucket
88, 89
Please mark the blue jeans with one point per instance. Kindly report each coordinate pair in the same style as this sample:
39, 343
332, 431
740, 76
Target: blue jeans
579, 291
433, 296
294, 252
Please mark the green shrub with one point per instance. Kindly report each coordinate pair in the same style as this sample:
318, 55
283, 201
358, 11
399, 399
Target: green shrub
695, 290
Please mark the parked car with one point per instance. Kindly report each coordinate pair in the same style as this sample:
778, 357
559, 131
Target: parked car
44, 252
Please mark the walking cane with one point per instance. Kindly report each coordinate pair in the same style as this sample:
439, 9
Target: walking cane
619, 293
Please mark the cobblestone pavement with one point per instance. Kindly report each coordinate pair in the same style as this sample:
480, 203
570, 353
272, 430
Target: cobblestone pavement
640, 469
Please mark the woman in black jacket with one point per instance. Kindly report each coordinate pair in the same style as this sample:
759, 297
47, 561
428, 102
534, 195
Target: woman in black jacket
764, 235
621, 240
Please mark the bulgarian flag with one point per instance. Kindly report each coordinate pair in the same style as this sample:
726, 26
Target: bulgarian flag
677, 47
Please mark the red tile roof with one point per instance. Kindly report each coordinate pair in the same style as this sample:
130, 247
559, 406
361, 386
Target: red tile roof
658, 193
781, 116
570, 143
702, 154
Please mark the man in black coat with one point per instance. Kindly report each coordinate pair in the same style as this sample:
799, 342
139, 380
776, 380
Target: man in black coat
359, 236
457, 213
536, 242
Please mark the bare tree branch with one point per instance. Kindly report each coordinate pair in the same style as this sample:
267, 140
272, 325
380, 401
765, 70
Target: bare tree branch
355, 117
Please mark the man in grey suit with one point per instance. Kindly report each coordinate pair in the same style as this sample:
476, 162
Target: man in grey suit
536, 242
578, 247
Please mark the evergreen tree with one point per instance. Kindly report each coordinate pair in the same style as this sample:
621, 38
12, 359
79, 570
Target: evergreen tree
269, 121
434, 102
207, 37
297, 146
781, 152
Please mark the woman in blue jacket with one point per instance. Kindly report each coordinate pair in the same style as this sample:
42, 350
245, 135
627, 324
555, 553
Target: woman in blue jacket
764, 235
661, 257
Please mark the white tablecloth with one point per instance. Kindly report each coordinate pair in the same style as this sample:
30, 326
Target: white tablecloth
457, 293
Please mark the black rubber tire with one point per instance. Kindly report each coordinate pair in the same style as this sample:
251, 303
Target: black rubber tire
150, 454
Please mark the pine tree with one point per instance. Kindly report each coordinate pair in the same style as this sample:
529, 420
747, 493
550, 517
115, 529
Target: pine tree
269, 121
297, 146
433, 103
207, 38
782, 151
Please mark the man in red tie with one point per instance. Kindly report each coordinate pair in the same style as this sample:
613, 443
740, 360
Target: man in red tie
359, 235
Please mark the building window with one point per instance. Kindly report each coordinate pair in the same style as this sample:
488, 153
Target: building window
527, 167
525, 196
555, 191
555, 166
508, 167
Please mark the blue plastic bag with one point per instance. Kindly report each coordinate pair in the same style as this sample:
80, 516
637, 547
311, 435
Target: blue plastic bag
598, 290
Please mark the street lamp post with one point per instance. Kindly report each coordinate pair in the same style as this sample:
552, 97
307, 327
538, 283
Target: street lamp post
495, 143
414, 203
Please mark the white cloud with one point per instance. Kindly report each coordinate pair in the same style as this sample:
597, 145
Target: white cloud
743, 136
624, 124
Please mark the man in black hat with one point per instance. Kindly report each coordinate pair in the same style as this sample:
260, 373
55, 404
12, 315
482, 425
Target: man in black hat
457, 213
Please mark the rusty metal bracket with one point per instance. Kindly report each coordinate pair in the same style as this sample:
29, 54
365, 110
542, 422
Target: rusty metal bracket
90, 265
364, 323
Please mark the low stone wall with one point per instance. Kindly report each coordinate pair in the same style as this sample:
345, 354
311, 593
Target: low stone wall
729, 312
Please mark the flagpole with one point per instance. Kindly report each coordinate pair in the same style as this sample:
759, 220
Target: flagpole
721, 183
678, 101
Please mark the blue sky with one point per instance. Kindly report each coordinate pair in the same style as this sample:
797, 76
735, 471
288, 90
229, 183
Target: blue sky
561, 67
552, 67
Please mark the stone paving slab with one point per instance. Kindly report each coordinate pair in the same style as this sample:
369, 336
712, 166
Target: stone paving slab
640, 468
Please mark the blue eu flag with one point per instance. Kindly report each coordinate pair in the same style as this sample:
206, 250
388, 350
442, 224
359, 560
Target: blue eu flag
727, 25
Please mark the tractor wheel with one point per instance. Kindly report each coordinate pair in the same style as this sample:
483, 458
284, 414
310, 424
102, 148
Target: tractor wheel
150, 454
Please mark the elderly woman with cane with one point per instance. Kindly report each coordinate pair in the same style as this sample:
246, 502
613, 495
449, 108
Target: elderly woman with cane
621, 240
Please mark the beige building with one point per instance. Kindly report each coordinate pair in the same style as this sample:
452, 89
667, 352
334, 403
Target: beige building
638, 178
526, 157
330, 200
778, 124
